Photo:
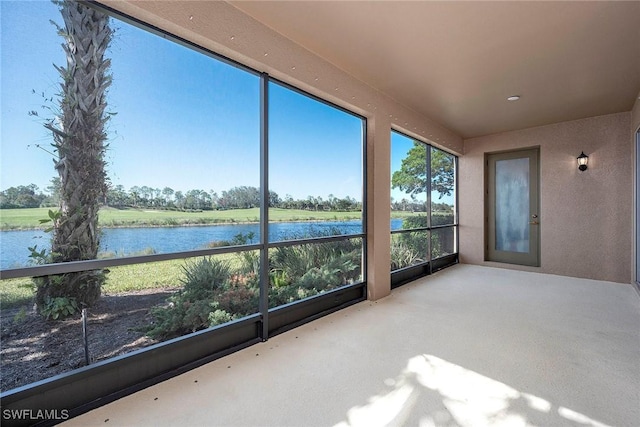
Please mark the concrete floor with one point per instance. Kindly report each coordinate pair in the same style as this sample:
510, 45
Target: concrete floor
468, 346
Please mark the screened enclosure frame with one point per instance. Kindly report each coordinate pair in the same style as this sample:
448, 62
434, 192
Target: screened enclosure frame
82, 389
409, 273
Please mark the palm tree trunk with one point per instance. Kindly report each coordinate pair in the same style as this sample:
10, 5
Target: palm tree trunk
79, 137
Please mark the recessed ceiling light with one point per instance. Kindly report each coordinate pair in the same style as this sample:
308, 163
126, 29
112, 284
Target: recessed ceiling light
513, 98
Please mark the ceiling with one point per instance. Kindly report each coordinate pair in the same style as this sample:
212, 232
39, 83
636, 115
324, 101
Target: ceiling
457, 62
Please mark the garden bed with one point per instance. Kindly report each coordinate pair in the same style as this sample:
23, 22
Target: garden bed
34, 349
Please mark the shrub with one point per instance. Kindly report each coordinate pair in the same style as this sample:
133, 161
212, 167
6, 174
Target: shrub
439, 218
237, 240
417, 221
301, 271
203, 277
59, 307
403, 255
212, 294
249, 262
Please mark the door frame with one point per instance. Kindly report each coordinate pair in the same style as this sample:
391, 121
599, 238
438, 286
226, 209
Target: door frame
531, 258
636, 209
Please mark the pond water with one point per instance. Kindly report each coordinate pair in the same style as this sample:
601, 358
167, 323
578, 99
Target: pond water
128, 241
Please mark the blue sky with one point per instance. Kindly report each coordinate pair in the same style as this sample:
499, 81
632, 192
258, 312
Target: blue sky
184, 120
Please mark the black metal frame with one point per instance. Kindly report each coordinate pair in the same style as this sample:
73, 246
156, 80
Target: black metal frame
410, 273
405, 275
264, 205
292, 315
89, 387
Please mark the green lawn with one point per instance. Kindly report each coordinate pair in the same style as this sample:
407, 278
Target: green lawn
153, 275
166, 274
16, 219
16, 292
22, 218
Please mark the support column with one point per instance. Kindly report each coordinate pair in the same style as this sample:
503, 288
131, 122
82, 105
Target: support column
378, 208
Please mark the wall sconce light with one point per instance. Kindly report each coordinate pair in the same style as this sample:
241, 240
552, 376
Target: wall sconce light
583, 159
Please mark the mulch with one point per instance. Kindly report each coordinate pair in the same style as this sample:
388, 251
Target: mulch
33, 349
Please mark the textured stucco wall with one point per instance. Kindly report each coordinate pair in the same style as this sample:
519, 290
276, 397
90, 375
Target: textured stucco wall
584, 216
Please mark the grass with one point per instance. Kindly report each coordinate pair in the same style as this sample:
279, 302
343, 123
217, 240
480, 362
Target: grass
137, 277
16, 293
21, 219
11, 219
152, 275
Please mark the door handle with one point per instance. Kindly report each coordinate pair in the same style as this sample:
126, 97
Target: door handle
534, 223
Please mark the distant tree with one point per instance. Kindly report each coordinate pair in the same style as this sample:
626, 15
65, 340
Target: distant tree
134, 193
274, 199
54, 190
146, 195
288, 202
215, 200
311, 203
167, 192
117, 196
79, 139
191, 199
7, 197
22, 196
179, 198
331, 201
242, 197
205, 200
346, 204
441, 207
197, 199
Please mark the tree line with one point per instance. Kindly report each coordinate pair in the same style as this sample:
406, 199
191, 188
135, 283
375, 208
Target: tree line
26, 196
241, 197
406, 205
